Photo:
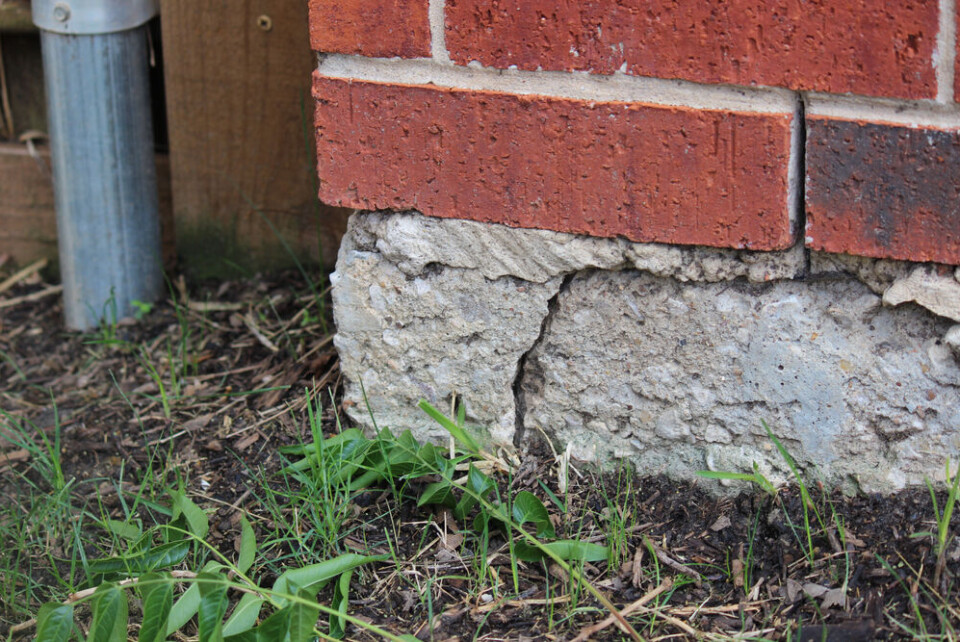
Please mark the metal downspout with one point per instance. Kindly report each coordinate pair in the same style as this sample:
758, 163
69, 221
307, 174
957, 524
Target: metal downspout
105, 185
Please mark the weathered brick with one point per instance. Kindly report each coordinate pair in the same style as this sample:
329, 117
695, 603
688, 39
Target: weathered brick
377, 28
644, 172
882, 190
856, 46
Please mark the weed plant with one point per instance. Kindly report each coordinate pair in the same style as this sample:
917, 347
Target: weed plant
333, 469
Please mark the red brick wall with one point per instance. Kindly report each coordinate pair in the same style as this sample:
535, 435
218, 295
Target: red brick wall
729, 123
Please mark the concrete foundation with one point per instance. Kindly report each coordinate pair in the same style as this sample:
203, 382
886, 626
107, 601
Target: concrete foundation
664, 356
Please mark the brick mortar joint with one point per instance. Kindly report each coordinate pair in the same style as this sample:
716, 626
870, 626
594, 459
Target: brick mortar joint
438, 35
945, 52
438, 71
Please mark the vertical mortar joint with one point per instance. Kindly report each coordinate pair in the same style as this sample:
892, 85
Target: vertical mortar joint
438, 34
946, 50
800, 169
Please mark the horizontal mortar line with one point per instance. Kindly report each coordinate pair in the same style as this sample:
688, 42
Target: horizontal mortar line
921, 114
945, 55
561, 84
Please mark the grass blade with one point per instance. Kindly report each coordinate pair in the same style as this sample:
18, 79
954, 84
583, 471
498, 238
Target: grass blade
458, 433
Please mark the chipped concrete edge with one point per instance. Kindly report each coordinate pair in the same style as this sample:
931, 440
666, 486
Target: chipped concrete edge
542, 263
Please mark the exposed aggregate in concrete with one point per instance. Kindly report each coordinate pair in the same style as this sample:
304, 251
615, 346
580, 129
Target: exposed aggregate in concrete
663, 356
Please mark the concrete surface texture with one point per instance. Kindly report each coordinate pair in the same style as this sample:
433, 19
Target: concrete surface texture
662, 356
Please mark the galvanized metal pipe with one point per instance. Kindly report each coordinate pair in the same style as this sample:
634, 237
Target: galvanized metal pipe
98, 99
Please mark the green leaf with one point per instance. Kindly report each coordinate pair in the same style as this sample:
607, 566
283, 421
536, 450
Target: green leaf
480, 485
54, 622
124, 530
149, 560
462, 509
566, 550
156, 590
275, 627
316, 576
244, 615
109, 622
188, 604
528, 508
440, 492
303, 617
197, 522
459, 434
479, 482
248, 545
366, 480
349, 459
213, 604
340, 602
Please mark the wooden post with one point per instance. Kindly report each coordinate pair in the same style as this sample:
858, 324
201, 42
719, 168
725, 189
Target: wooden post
242, 150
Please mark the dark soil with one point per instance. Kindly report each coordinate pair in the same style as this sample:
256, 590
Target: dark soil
723, 567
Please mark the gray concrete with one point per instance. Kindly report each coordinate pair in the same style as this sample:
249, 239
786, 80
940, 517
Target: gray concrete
664, 356
676, 378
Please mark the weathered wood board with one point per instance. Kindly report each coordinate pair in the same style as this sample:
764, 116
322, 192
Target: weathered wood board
240, 118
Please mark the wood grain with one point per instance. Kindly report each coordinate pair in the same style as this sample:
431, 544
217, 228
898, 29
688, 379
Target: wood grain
241, 134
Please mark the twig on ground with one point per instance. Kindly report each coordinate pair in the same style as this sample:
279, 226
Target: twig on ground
17, 455
34, 267
255, 331
36, 296
585, 634
672, 563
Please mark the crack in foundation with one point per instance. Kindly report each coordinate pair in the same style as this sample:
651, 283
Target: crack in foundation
519, 394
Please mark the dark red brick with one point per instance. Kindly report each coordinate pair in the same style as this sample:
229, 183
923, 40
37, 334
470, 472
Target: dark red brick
857, 46
377, 28
883, 191
647, 173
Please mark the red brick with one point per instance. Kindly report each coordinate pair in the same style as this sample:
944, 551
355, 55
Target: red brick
883, 191
857, 46
377, 28
647, 173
